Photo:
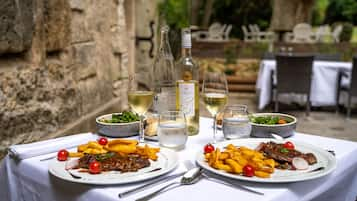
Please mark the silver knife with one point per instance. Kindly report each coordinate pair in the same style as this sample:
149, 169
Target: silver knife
150, 184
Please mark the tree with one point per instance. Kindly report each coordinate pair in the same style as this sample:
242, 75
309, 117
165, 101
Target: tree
288, 13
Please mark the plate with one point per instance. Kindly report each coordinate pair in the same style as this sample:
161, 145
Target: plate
324, 159
167, 161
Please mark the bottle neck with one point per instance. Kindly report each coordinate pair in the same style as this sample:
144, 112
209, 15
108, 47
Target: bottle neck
186, 52
164, 43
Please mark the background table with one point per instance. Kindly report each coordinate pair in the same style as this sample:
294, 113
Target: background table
29, 179
323, 83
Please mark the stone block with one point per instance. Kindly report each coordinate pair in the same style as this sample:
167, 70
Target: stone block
80, 31
83, 73
57, 14
16, 25
85, 53
78, 5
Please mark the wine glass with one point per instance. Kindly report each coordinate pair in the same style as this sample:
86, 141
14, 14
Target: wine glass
215, 95
140, 100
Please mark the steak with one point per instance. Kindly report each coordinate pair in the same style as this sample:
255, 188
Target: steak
284, 156
113, 161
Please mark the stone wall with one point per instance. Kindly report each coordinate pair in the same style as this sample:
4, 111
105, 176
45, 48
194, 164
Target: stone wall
60, 60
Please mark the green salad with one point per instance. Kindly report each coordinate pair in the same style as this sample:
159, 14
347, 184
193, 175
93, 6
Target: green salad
269, 120
124, 117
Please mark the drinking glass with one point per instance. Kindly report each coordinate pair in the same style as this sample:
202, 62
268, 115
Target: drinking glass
172, 130
236, 122
140, 100
215, 95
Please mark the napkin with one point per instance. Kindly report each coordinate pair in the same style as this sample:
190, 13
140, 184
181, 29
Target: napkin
23, 151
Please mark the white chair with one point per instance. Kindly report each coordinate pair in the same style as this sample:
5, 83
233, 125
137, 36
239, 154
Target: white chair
336, 33
264, 36
303, 34
322, 32
227, 31
215, 33
248, 36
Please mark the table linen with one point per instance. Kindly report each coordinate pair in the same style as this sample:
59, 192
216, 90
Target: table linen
29, 179
323, 83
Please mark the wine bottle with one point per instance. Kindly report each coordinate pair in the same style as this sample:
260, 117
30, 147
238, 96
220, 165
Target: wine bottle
164, 75
187, 90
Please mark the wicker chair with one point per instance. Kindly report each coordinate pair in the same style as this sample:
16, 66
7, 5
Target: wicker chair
293, 74
351, 89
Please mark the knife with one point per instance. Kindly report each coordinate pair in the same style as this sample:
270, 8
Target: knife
150, 184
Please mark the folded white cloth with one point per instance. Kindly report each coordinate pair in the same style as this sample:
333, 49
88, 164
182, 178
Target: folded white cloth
23, 151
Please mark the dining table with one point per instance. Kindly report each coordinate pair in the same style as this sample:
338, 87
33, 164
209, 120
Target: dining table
323, 83
28, 179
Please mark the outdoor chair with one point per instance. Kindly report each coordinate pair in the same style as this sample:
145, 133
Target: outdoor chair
322, 32
351, 89
264, 36
302, 33
248, 36
327, 57
293, 75
336, 33
216, 32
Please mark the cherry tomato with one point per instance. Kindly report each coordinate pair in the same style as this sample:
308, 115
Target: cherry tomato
248, 171
208, 148
102, 141
62, 155
289, 145
95, 167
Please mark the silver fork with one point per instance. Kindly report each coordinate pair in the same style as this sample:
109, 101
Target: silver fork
190, 177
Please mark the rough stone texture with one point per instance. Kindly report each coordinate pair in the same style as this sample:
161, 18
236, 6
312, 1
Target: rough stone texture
16, 25
76, 70
57, 24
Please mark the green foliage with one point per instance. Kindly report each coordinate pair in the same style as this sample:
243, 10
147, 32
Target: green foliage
175, 13
341, 11
241, 13
347, 31
319, 12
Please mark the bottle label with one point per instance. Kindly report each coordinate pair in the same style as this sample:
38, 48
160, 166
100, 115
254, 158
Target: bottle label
187, 98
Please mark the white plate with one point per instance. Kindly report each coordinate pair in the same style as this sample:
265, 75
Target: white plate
324, 159
167, 161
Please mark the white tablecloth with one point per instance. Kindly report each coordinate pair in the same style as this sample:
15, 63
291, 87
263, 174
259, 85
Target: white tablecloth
323, 84
29, 179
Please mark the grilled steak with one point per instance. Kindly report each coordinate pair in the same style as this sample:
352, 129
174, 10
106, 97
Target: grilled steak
114, 161
284, 156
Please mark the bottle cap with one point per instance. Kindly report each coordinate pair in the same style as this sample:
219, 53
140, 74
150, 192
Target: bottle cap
186, 38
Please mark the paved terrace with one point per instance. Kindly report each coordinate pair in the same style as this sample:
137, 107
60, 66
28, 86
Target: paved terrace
323, 122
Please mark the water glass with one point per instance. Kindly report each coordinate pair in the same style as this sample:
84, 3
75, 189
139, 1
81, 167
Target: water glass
236, 122
172, 130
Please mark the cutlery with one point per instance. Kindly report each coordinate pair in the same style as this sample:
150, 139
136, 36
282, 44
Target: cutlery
190, 177
150, 184
316, 169
73, 175
234, 185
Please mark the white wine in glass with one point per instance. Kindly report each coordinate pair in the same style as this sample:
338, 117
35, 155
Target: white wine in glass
140, 102
215, 102
215, 95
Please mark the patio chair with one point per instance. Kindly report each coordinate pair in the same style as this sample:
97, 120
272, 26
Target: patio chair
328, 57
336, 33
226, 32
321, 32
293, 74
216, 32
248, 36
303, 34
351, 89
265, 36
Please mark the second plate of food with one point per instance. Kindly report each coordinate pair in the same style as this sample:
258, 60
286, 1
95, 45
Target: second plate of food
244, 150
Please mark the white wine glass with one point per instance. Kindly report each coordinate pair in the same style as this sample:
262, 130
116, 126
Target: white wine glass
140, 100
215, 95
